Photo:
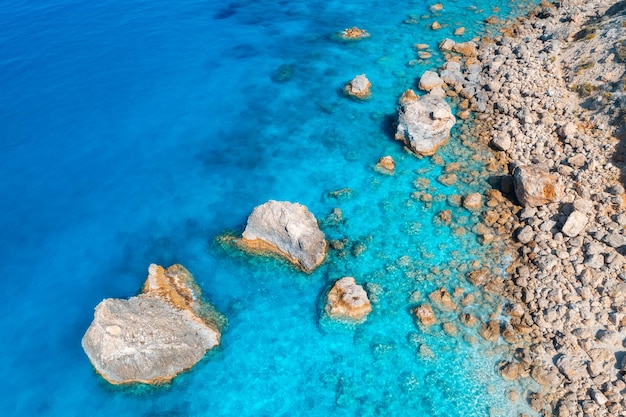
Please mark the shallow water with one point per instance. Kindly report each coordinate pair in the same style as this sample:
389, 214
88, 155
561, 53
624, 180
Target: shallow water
138, 132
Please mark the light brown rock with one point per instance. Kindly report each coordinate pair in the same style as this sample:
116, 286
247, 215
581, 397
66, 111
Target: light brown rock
286, 229
360, 87
535, 187
347, 300
425, 314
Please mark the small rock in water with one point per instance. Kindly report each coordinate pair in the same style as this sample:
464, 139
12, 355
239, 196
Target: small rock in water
386, 165
425, 314
459, 31
473, 201
353, 33
424, 124
347, 300
435, 26
360, 87
430, 80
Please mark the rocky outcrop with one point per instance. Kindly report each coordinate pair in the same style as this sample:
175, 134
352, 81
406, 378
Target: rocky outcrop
425, 314
347, 301
424, 123
286, 229
155, 336
535, 187
386, 165
360, 87
353, 33
430, 80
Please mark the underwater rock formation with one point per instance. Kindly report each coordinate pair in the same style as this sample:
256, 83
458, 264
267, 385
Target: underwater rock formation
156, 335
535, 187
386, 165
286, 229
424, 123
347, 300
360, 87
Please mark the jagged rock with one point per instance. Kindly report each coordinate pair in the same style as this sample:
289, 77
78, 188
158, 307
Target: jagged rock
353, 33
425, 314
386, 165
286, 229
360, 87
347, 300
446, 44
424, 124
535, 187
155, 336
572, 367
430, 80
575, 224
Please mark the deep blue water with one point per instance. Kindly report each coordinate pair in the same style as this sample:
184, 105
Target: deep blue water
138, 132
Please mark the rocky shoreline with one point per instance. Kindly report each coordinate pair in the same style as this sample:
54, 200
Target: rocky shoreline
548, 94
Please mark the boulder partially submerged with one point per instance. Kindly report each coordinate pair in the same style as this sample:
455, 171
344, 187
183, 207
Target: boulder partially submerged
424, 123
288, 230
353, 33
347, 301
360, 87
156, 335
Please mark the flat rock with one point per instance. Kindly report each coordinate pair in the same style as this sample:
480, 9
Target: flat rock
360, 87
155, 336
353, 33
424, 124
535, 187
347, 300
286, 229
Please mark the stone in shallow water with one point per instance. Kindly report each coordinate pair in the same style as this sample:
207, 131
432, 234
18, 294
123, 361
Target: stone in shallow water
286, 229
347, 300
424, 123
360, 87
425, 314
155, 336
353, 33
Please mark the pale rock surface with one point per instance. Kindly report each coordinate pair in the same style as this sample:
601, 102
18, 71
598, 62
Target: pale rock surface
286, 229
430, 80
155, 336
575, 224
425, 314
386, 165
535, 187
360, 87
424, 124
347, 300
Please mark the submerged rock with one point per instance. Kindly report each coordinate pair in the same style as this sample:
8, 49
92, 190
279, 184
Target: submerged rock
424, 123
347, 300
286, 229
535, 187
360, 87
155, 336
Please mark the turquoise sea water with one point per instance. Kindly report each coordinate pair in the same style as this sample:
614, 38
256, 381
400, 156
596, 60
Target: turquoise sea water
138, 132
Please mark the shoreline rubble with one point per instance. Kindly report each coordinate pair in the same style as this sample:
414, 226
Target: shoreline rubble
544, 109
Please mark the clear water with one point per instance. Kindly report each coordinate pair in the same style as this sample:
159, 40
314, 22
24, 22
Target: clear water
138, 132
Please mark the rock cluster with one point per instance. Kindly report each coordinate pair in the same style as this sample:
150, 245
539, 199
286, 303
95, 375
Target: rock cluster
424, 123
548, 95
347, 301
155, 336
288, 230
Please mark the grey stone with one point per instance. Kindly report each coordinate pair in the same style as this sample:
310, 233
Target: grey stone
287, 229
575, 224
